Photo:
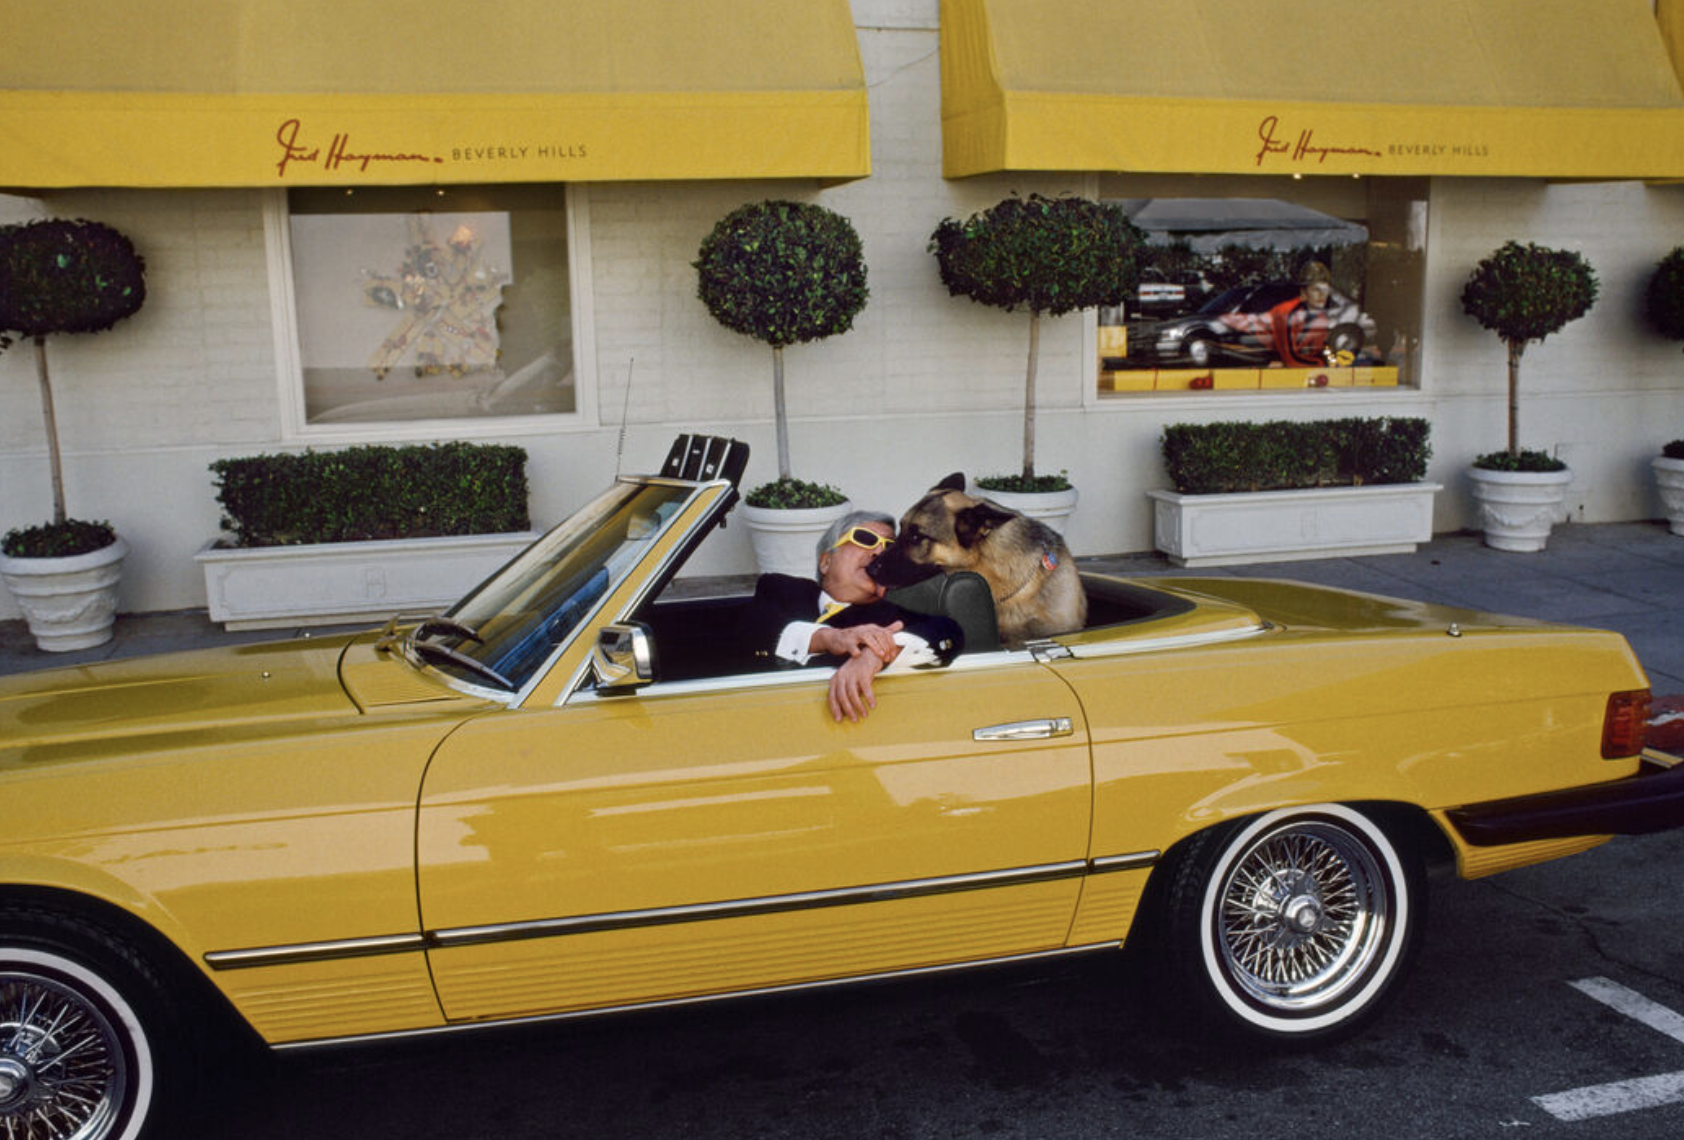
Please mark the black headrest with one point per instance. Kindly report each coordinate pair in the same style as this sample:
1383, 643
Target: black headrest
963, 596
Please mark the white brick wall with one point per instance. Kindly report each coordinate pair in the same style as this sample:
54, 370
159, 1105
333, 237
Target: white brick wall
1605, 392
924, 384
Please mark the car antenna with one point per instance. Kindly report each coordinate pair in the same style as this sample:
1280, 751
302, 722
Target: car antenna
625, 410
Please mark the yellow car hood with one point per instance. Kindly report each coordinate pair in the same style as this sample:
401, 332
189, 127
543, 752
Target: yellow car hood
228, 691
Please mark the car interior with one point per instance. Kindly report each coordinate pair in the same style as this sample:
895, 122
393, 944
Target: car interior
699, 637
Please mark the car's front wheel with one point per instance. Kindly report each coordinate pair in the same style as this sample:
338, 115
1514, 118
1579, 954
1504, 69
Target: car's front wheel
83, 1032
1293, 926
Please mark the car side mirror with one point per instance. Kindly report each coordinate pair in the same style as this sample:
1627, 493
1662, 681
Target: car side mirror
624, 658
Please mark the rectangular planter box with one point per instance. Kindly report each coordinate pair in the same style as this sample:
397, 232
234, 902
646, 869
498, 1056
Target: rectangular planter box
1286, 526
273, 587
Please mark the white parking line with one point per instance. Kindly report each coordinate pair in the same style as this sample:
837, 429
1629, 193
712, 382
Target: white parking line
1594, 1101
1634, 1005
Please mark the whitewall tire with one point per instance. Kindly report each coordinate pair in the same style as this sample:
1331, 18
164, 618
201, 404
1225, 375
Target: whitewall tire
1296, 925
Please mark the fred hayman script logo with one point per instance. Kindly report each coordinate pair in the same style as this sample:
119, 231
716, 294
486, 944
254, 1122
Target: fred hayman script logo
1303, 149
338, 153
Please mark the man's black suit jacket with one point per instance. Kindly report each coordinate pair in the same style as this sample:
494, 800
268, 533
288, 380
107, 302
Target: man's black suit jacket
780, 599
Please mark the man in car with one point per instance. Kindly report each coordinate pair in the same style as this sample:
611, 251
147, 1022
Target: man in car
839, 618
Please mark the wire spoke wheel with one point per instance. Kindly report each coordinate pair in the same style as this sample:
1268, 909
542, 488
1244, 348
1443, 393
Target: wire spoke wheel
63, 1071
1299, 921
1304, 913
89, 1037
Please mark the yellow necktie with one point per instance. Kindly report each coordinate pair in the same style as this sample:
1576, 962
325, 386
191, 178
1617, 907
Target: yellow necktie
831, 611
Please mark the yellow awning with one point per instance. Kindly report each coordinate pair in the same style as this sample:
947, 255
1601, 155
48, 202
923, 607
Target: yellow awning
1546, 88
184, 93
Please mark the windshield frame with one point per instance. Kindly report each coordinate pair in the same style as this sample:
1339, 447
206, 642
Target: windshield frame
579, 564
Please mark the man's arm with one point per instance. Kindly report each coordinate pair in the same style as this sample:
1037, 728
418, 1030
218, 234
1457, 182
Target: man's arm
928, 638
851, 697
779, 602
931, 639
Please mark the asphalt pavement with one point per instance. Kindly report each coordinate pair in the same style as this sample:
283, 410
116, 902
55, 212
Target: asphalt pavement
1627, 577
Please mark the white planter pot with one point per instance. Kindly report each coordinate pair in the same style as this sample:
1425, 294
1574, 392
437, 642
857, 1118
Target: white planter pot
1669, 480
1288, 526
1052, 507
69, 603
274, 587
786, 542
1518, 508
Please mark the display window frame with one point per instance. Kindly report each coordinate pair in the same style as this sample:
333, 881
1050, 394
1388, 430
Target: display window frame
1390, 363
289, 358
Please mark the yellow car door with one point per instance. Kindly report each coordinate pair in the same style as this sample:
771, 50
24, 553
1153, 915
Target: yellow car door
704, 837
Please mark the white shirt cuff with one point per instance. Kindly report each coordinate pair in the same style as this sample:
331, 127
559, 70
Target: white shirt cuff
793, 641
915, 652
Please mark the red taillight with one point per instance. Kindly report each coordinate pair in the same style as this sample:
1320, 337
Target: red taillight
1625, 725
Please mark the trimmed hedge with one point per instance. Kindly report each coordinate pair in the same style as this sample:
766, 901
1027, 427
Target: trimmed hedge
1663, 296
67, 539
783, 272
1047, 255
1527, 461
795, 495
1216, 458
64, 276
373, 492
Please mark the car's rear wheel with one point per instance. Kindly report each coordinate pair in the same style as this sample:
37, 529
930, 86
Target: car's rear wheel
85, 1032
1293, 926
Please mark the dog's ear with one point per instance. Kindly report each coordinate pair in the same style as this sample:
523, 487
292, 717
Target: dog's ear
971, 525
954, 482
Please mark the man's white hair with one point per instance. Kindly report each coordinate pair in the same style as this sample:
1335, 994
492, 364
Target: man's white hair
833, 534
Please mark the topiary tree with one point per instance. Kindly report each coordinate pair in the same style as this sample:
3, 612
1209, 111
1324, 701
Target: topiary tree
62, 276
1048, 255
783, 273
1663, 300
1524, 293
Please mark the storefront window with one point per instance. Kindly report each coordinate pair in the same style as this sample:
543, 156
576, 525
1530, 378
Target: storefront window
428, 304
1272, 285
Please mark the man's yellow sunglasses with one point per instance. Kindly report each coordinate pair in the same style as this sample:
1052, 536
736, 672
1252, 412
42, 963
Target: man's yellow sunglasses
863, 537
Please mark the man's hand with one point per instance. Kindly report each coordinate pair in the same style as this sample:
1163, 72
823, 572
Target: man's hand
855, 640
851, 697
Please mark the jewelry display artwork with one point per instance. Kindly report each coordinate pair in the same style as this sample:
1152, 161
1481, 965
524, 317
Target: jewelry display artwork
445, 297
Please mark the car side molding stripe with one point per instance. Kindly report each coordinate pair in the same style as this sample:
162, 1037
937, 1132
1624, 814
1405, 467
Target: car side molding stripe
1134, 862
315, 952
666, 916
774, 904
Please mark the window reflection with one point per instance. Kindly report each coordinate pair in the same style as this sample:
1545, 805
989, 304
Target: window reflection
417, 304
1249, 293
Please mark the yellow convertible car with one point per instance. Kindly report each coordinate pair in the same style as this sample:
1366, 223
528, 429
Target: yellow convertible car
560, 798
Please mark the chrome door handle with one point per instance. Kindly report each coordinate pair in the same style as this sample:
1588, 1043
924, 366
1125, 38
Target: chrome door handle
1026, 730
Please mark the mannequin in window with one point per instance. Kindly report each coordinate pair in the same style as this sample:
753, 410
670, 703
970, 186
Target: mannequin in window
1298, 327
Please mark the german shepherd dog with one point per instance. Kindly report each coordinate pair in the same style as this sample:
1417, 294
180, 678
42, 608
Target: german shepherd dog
1029, 570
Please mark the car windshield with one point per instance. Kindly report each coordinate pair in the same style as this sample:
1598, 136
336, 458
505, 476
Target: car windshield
1225, 301
507, 628
1269, 295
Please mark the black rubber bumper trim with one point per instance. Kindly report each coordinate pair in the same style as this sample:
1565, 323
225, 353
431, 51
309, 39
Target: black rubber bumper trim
1650, 801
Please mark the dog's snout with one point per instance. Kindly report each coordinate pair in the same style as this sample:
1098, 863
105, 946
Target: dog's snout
894, 568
